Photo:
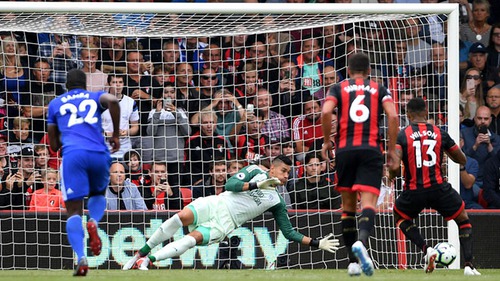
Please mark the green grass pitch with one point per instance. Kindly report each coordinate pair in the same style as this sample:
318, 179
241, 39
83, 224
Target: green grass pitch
251, 275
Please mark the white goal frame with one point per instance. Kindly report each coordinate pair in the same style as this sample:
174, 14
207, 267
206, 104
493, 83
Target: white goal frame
452, 10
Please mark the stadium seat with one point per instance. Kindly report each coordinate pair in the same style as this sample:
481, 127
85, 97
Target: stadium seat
187, 195
480, 199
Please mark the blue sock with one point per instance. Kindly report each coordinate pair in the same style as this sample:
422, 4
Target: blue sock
97, 205
74, 229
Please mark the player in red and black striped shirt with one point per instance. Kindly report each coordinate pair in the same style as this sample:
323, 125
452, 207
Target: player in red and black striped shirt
358, 151
421, 147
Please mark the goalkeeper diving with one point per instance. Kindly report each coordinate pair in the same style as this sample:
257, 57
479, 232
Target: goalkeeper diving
249, 193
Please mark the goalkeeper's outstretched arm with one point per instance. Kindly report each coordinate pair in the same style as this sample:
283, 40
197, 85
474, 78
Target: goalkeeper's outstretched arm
241, 181
327, 243
236, 185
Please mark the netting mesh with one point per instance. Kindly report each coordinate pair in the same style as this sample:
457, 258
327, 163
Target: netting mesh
250, 79
172, 25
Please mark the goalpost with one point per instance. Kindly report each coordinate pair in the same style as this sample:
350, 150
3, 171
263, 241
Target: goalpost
286, 31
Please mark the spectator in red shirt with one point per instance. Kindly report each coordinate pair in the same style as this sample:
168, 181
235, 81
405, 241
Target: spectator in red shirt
250, 146
161, 195
234, 51
49, 198
307, 127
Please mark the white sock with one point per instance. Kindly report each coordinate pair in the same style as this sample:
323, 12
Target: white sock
175, 248
165, 231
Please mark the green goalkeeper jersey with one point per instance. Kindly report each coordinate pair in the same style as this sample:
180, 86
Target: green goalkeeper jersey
246, 205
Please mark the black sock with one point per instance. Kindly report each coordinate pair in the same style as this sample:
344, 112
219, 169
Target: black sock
413, 234
349, 233
366, 224
465, 236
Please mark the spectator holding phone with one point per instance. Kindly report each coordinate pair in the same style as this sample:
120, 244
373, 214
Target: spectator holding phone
289, 101
22, 180
62, 52
479, 142
168, 128
161, 195
471, 92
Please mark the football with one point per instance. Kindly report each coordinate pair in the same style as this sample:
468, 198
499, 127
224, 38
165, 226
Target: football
446, 253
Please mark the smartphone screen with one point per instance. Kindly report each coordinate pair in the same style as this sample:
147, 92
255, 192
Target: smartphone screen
250, 108
470, 84
287, 74
483, 130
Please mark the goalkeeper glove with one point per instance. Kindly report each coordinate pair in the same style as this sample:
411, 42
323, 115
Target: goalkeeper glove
326, 244
268, 184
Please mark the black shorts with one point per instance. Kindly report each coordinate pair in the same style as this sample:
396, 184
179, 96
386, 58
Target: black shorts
444, 199
359, 170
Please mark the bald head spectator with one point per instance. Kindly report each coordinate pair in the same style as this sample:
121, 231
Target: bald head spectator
479, 142
121, 193
330, 77
493, 102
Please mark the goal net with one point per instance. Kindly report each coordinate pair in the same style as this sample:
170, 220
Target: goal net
212, 88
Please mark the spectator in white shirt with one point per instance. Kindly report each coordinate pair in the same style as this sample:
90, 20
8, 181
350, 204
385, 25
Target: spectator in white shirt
129, 115
96, 79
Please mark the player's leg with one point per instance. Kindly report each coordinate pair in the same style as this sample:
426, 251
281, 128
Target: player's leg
208, 228
174, 249
164, 232
210, 223
348, 221
98, 173
407, 207
76, 234
345, 175
95, 204
367, 183
411, 231
349, 230
356, 249
413, 234
367, 219
74, 226
169, 227
465, 236
451, 206
74, 187
365, 224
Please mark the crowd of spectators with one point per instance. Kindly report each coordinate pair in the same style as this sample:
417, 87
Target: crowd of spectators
194, 110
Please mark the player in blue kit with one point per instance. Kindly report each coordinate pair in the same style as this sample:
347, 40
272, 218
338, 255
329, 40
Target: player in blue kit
74, 122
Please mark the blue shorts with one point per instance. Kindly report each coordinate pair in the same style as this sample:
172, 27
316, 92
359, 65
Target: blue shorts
84, 173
